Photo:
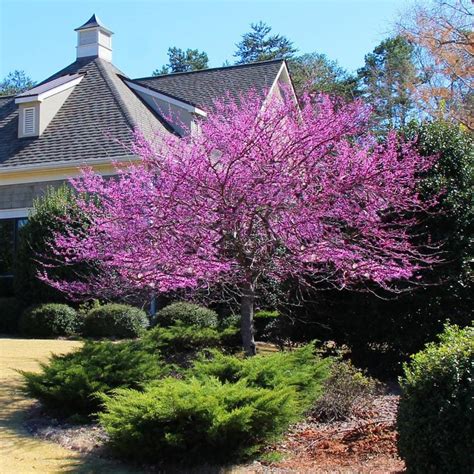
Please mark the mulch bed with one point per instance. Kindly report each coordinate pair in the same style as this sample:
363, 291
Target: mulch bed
365, 443
87, 439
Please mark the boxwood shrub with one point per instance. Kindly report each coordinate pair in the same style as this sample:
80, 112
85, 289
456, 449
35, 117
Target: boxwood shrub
70, 383
49, 320
188, 314
436, 412
115, 321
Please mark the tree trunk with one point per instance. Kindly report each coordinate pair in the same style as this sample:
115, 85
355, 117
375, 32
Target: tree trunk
246, 320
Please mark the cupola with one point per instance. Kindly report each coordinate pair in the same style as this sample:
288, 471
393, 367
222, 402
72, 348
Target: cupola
94, 39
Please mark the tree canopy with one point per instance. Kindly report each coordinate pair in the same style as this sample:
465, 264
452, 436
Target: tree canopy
15, 83
259, 45
183, 61
315, 72
275, 192
442, 36
387, 79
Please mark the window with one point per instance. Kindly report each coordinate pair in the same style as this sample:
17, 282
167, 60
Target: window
8, 247
29, 121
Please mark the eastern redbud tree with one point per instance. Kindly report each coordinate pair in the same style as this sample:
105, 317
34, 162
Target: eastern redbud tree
264, 190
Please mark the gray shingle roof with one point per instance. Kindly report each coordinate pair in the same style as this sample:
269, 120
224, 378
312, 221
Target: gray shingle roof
95, 121
47, 86
201, 88
99, 117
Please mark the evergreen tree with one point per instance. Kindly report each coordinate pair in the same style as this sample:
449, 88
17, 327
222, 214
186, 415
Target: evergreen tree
387, 79
183, 61
15, 83
259, 45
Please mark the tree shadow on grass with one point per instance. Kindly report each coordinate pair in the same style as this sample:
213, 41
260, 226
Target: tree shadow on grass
16, 442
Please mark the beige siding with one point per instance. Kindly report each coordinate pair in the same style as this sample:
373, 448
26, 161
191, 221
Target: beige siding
18, 196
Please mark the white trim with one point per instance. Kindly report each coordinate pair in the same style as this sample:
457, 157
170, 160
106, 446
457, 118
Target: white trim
42, 176
166, 98
67, 164
46, 94
282, 69
14, 213
277, 77
33, 121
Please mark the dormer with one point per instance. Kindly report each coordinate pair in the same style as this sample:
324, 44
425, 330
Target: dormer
38, 106
94, 39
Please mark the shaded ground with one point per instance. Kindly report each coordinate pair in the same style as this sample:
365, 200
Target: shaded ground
364, 444
21, 453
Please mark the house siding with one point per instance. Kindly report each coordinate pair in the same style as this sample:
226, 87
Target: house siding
16, 196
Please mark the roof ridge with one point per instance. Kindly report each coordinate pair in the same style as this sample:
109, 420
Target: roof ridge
116, 94
234, 66
146, 86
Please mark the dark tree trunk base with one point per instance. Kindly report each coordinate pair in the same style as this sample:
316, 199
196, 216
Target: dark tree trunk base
246, 322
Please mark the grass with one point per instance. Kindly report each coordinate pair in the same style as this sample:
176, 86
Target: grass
19, 451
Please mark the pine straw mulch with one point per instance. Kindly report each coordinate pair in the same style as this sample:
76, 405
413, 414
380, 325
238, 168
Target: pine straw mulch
365, 443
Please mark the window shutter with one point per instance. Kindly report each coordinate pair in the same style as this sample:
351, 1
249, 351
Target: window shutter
29, 121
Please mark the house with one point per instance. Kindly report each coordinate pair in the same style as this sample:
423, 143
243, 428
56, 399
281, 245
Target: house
87, 113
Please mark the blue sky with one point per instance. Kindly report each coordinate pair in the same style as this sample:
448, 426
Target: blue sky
37, 36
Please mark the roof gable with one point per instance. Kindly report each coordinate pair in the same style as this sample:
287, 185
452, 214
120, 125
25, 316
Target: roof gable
96, 121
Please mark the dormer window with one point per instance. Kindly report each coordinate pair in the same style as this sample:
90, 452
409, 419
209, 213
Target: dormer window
29, 121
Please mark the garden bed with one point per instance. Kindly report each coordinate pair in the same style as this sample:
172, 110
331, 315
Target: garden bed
366, 443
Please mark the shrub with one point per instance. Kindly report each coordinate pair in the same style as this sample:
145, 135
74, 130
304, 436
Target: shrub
181, 338
263, 321
69, 383
115, 320
188, 314
10, 312
49, 320
225, 407
34, 241
195, 420
300, 369
345, 389
436, 412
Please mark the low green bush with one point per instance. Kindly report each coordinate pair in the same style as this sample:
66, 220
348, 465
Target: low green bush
300, 369
195, 420
10, 312
345, 389
436, 411
115, 321
69, 383
187, 314
223, 409
49, 320
181, 338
